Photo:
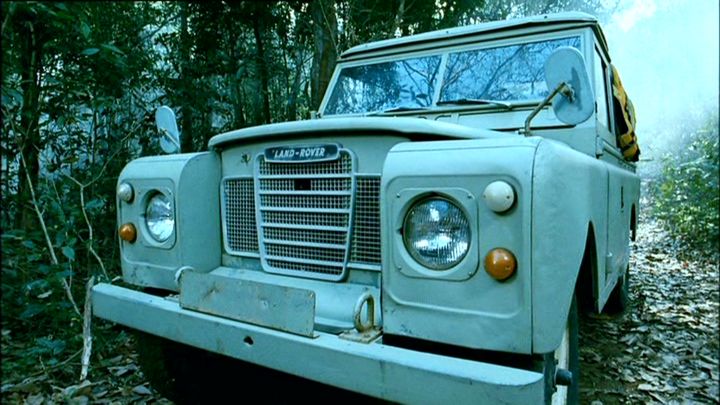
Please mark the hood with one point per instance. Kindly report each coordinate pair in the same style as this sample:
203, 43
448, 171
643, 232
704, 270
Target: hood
416, 128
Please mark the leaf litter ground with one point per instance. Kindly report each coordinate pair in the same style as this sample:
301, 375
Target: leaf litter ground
664, 348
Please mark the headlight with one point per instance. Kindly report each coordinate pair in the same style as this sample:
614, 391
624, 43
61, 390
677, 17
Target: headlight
436, 233
159, 217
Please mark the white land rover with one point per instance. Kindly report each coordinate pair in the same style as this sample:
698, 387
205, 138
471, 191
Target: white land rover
429, 238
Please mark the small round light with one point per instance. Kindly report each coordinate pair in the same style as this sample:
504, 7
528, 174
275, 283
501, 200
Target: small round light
160, 217
436, 233
128, 232
499, 196
125, 192
500, 264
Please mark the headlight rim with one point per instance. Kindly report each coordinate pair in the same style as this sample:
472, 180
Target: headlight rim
148, 201
421, 199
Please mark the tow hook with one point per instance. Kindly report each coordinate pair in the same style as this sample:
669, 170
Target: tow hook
563, 377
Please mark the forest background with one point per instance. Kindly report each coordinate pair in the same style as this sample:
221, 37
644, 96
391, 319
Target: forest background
81, 82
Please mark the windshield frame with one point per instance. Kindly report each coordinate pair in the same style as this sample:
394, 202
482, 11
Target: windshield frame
444, 50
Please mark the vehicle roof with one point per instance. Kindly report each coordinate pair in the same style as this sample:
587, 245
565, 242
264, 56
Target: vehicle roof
565, 18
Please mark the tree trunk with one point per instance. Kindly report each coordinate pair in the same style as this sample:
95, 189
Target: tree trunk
298, 59
262, 66
186, 139
29, 136
325, 53
238, 107
399, 17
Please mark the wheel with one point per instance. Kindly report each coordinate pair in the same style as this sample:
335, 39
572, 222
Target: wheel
620, 296
187, 375
565, 358
184, 374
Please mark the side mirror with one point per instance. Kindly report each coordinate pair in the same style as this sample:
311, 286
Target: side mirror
566, 75
567, 65
167, 126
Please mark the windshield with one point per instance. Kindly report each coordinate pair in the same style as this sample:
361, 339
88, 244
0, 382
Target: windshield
407, 83
506, 73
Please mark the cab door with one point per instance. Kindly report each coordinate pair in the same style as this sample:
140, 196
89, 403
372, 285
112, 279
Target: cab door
616, 236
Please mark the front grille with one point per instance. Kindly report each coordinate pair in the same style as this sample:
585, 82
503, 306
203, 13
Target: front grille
292, 198
311, 219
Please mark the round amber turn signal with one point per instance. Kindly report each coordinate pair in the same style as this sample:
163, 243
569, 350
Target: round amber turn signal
500, 264
128, 233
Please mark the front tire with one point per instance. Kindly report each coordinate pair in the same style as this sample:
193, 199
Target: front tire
184, 374
188, 375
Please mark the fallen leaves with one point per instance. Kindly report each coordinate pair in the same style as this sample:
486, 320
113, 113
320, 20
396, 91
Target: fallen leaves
664, 349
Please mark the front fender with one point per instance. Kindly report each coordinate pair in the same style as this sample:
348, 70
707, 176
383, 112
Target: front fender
192, 181
569, 192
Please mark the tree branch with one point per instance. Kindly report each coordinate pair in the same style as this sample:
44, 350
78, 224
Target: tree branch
51, 248
87, 222
87, 330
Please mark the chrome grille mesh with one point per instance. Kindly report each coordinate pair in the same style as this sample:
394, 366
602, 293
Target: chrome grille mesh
304, 213
240, 229
365, 246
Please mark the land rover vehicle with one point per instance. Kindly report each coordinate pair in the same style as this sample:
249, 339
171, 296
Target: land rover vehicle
428, 238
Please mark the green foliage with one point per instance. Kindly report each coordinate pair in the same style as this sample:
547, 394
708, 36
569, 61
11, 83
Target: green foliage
686, 195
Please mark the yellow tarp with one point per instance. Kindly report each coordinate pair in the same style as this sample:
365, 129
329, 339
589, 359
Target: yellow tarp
625, 120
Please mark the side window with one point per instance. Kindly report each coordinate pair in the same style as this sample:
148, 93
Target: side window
601, 90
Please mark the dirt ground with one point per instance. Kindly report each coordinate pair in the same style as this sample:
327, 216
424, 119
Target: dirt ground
663, 349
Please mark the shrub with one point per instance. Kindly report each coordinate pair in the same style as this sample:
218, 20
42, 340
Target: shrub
687, 200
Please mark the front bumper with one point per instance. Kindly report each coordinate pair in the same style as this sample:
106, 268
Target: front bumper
374, 369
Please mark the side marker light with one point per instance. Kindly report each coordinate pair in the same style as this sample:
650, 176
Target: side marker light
125, 192
500, 264
499, 196
128, 232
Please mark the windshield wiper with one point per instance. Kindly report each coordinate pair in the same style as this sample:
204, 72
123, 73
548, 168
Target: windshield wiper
474, 101
395, 109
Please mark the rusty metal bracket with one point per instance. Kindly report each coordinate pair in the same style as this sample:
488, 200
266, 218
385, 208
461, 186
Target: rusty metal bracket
364, 332
563, 88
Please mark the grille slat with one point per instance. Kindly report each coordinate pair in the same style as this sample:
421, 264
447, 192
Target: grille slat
307, 210
343, 229
332, 202
304, 244
314, 218
333, 267
302, 252
323, 185
298, 219
305, 193
339, 166
307, 235
304, 267
302, 176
